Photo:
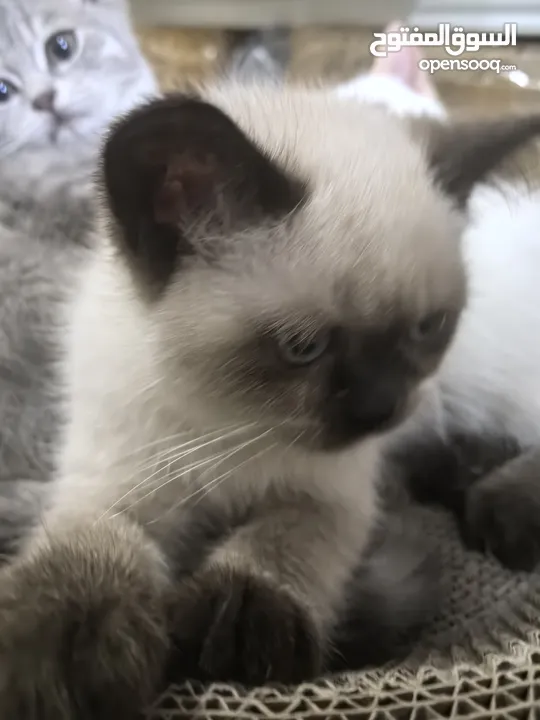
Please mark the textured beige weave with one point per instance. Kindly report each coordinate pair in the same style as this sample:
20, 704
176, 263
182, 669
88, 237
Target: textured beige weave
480, 659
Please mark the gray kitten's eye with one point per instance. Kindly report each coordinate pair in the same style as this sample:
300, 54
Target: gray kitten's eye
430, 326
297, 350
61, 46
7, 90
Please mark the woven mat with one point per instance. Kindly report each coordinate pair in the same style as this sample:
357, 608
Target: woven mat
479, 659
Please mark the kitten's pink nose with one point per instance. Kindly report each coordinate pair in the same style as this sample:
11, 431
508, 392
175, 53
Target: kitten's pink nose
45, 101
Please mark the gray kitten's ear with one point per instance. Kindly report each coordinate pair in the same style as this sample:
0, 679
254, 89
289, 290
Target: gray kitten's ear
464, 154
179, 161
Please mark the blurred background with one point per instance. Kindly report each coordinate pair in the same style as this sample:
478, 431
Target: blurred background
329, 40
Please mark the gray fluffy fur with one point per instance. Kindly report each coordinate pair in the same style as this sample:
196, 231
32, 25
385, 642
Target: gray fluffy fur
41, 248
45, 214
105, 75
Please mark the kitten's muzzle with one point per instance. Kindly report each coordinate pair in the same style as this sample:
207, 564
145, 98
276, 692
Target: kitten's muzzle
369, 409
45, 101
371, 403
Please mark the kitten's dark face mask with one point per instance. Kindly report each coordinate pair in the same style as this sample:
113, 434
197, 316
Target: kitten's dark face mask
337, 383
265, 323
371, 376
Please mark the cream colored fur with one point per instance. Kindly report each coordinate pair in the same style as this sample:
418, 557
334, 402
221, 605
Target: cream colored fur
138, 373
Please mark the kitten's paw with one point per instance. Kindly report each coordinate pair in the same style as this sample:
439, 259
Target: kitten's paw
240, 627
82, 634
503, 518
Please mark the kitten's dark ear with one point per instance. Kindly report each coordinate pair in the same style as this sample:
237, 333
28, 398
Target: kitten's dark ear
464, 154
179, 161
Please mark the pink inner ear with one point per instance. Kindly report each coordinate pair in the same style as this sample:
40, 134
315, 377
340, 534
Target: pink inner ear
189, 186
403, 66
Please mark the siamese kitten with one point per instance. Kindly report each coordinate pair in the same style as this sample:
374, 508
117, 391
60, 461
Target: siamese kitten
277, 273
474, 444
67, 68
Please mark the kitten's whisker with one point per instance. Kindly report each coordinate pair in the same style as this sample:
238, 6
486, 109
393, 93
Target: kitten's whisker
236, 450
211, 485
183, 501
184, 471
168, 439
141, 449
293, 442
228, 454
146, 481
226, 474
182, 448
175, 458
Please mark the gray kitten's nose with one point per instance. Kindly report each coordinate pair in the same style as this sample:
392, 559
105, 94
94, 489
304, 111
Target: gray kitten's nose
45, 101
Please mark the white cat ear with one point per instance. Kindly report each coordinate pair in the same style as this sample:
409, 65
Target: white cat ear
180, 161
404, 66
464, 154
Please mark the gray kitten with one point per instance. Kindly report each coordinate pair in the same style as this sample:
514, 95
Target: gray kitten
41, 249
67, 68
276, 274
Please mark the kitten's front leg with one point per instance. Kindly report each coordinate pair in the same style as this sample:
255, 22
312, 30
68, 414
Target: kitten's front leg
83, 631
262, 607
491, 487
502, 512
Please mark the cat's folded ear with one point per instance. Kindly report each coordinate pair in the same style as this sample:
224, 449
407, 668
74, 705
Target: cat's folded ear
464, 154
179, 162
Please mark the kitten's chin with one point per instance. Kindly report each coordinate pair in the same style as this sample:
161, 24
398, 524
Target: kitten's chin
77, 129
339, 441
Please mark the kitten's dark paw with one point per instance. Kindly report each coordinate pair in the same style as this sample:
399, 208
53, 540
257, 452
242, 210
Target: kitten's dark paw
440, 471
82, 636
232, 626
503, 519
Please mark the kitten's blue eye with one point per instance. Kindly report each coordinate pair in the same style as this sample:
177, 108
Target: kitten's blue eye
431, 326
61, 47
298, 350
7, 90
